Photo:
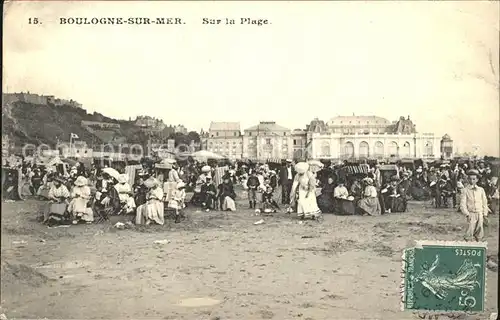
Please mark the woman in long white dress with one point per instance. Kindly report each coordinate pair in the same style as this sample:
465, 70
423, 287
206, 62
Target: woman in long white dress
125, 194
153, 209
305, 185
80, 196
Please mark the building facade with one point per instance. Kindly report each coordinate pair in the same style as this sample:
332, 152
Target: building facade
447, 147
363, 137
267, 140
223, 138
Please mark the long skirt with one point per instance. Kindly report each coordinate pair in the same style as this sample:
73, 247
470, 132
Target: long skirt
78, 208
55, 210
150, 211
168, 190
228, 204
325, 203
370, 206
307, 207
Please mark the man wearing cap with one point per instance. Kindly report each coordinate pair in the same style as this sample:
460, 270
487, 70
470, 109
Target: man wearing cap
474, 204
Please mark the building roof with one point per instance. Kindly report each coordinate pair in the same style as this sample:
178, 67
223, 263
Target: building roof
361, 120
446, 137
317, 125
267, 126
224, 126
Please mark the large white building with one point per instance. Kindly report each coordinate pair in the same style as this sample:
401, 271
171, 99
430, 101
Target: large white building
364, 137
267, 140
343, 137
224, 138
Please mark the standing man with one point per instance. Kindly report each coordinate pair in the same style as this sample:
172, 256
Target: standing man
474, 204
286, 180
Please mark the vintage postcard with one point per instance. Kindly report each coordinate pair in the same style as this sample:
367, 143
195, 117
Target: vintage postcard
207, 160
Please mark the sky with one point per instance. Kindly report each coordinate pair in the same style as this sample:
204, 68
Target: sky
428, 60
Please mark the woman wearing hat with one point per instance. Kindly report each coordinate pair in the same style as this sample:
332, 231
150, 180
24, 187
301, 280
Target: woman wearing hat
58, 196
369, 204
78, 207
226, 195
125, 194
152, 210
305, 185
177, 201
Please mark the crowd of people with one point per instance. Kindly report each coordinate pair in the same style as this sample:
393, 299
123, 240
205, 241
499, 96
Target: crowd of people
88, 194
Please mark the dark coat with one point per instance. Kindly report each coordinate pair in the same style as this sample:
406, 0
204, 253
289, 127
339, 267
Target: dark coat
284, 174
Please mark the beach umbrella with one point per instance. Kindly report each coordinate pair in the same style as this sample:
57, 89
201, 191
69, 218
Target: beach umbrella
112, 172
205, 154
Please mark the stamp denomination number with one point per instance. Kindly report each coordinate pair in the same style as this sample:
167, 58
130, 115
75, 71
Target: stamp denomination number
468, 252
33, 21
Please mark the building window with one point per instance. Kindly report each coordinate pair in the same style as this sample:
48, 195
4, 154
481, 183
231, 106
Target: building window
284, 133
268, 141
235, 134
294, 142
217, 134
249, 134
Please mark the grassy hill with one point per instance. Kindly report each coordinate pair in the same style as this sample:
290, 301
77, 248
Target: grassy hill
33, 123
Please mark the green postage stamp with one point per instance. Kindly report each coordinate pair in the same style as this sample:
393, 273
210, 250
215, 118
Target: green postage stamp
444, 276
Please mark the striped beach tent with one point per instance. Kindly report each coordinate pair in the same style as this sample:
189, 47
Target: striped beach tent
219, 173
358, 169
130, 172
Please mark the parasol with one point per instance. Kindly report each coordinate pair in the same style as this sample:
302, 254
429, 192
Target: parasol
112, 172
316, 163
205, 154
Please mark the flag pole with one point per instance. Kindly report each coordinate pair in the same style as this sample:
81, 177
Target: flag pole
70, 143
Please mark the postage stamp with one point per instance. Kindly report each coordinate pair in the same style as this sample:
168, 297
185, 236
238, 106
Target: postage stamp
444, 276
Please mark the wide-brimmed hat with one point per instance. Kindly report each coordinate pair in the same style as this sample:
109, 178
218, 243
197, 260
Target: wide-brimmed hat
419, 169
180, 185
368, 180
301, 167
123, 178
350, 198
206, 169
151, 182
288, 160
81, 181
494, 180
406, 174
473, 172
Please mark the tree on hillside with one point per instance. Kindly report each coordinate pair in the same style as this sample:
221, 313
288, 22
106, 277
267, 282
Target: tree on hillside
193, 135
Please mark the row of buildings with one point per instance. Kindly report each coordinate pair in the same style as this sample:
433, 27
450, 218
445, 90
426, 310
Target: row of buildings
343, 137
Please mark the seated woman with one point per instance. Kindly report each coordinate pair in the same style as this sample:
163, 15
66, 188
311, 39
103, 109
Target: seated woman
369, 204
326, 198
343, 205
197, 198
393, 202
209, 194
227, 195
152, 210
140, 192
125, 195
58, 196
268, 203
79, 206
177, 201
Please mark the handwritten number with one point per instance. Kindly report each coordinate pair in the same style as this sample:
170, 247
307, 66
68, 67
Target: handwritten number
33, 21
